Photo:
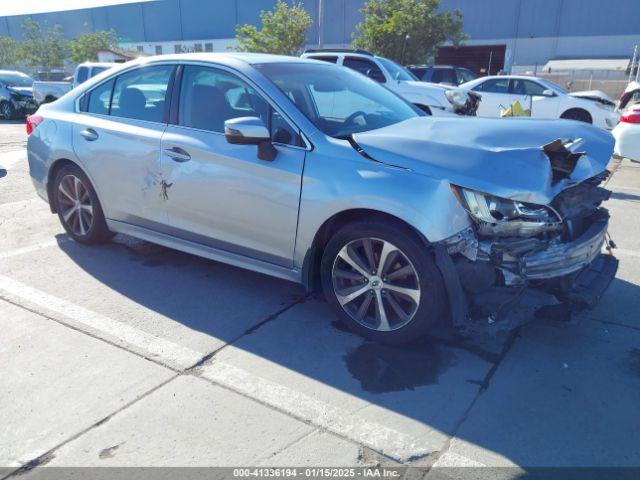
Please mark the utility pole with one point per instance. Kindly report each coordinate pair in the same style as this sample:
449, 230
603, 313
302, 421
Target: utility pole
320, 24
633, 62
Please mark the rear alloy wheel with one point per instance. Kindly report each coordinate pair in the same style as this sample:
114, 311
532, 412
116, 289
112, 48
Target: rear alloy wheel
78, 206
383, 282
75, 205
7, 111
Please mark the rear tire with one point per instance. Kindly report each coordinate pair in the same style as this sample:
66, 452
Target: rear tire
78, 206
382, 281
7, 111
577, 114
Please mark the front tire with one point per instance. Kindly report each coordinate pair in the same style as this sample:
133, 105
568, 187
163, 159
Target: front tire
78, 206
382, 281
577, 114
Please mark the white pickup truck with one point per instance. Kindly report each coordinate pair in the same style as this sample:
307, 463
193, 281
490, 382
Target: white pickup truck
46, 92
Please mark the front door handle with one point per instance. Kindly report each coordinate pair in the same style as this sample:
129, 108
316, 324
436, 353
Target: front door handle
178, 154
89, 134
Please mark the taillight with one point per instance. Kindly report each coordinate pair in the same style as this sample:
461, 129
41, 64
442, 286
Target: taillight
630, 117
32, 122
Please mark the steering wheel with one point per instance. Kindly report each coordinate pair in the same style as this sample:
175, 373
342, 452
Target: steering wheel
349, 120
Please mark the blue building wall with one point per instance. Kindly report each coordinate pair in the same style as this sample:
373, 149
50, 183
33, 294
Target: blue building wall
530, 28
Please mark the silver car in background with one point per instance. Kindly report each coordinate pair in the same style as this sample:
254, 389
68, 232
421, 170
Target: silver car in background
314, 173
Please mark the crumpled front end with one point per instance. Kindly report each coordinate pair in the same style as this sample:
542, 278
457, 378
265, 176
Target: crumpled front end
513, 266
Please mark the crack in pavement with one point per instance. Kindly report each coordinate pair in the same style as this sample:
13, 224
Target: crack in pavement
47, 456
511, 339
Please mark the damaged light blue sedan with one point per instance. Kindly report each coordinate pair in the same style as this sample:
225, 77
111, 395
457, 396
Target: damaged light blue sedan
314, 173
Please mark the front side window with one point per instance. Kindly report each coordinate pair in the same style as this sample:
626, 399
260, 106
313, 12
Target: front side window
527, 87
209, 97
141, 94
338, 101
364, 66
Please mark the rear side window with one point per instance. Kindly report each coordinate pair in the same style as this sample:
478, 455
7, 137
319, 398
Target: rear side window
82, 75
99, 98
141, 94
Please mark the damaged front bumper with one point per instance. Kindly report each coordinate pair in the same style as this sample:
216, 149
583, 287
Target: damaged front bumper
498, 283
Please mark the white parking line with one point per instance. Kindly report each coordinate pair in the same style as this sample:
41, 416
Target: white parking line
392, 443
154, 347
9, 159
32, 248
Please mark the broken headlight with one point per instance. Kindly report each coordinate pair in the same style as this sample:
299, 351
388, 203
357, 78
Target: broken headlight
457, 98
502, 216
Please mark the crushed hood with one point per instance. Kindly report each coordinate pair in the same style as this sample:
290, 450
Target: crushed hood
26, 91
504, 157
597, 95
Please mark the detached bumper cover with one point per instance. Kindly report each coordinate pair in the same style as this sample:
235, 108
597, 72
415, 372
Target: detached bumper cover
564, 258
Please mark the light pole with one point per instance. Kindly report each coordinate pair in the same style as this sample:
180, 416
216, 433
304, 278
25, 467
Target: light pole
320, 24
404, 46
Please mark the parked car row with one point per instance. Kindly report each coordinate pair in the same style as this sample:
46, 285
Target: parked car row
433, 98
318, 174
20, 95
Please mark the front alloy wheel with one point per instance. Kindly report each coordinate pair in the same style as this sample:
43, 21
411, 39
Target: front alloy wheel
381, 279
74, 205
376, 284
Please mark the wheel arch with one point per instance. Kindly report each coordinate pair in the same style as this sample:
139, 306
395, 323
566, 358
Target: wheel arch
313, 256
578, 109
51, 175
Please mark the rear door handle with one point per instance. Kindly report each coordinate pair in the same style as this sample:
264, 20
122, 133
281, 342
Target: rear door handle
178, 154
89, 134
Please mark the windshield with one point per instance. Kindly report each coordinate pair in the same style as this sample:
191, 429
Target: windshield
339, 101
16, 79
396, 71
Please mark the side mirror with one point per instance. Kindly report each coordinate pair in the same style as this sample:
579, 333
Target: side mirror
549, 93
376, 75
250, 131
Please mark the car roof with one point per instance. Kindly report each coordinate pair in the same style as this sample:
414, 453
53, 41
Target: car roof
250, 58
511, 77
12, 72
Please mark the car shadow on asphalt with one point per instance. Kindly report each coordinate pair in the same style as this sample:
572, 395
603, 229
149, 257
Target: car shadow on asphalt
434, 381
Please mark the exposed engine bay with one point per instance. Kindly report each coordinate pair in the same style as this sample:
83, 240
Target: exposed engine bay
519, 260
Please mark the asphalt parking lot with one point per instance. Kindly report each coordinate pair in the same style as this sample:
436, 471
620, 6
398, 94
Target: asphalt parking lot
131, 354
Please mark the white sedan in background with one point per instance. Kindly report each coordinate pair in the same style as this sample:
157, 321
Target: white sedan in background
627, 134
540, 98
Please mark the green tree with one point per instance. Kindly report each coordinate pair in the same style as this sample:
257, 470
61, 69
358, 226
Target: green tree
283, 31
84, 48
9, 51
408, 31
43, 47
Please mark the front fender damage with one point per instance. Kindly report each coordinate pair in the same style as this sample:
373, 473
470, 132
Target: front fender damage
496, 282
